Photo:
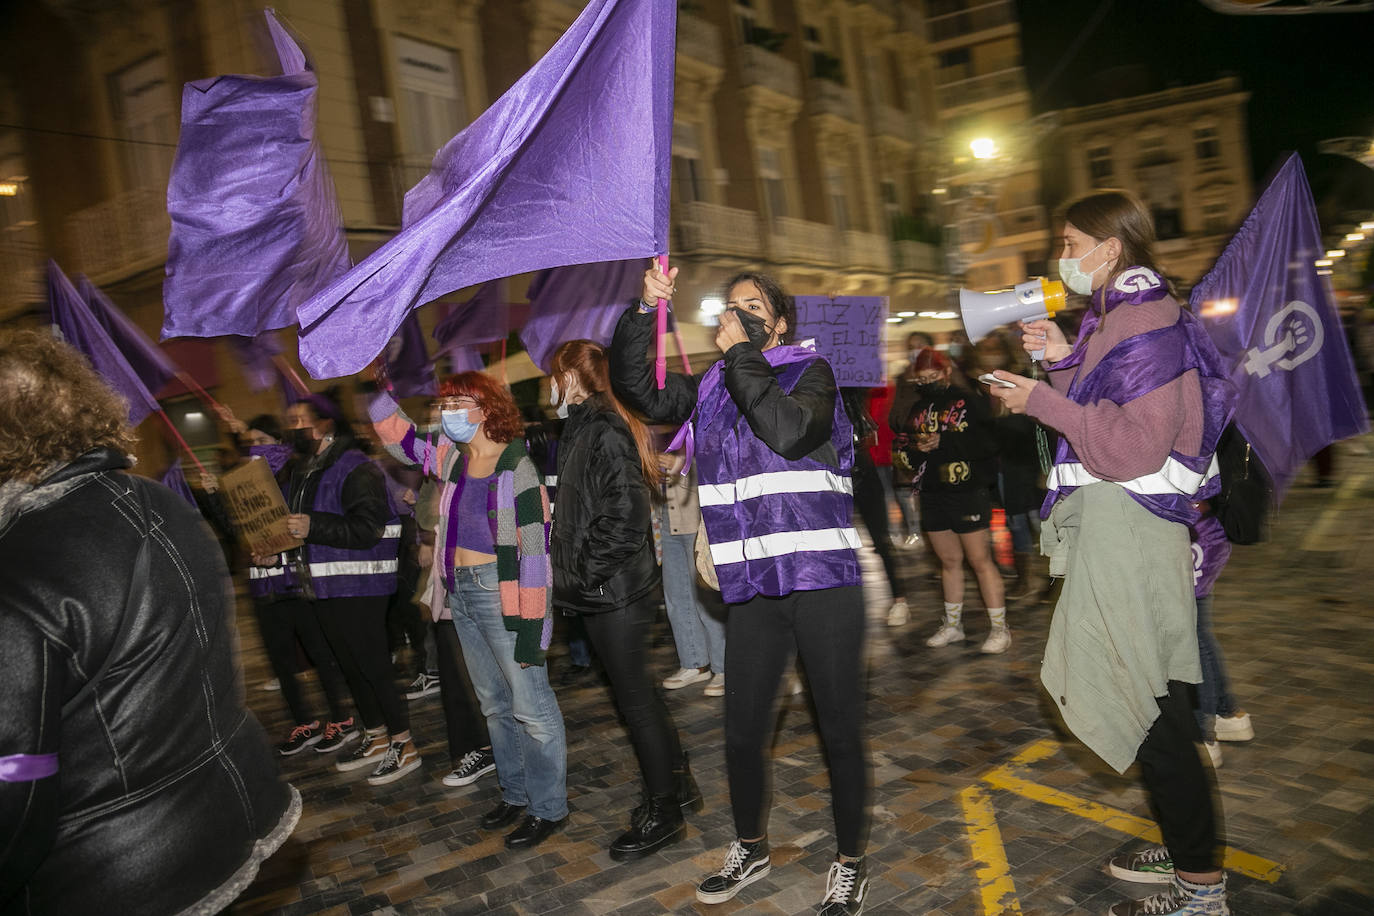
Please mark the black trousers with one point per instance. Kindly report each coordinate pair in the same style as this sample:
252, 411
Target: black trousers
826, 628
467, 728
356, 630
1179, 786
870, 499
281, 623
621, 640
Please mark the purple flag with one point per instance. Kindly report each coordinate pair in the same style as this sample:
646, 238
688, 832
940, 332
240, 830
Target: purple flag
482, 319
1273, 321
582, 301
256, 228
82, 330
146, 358
174, 480
256, 359
407, 362
570, 166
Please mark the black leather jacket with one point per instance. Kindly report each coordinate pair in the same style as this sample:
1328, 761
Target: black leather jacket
117, 656
602, 542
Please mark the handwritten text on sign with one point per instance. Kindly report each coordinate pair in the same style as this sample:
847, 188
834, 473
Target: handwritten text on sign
257, 508
849, 333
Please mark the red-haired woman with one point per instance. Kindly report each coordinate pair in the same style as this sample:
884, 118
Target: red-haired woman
604, 569
490, 546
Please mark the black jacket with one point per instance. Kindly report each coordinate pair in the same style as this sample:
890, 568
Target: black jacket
963, 462
366, 509
117, 655
794, 424
602, 541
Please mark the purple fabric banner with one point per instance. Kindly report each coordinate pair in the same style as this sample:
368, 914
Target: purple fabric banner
255, 356
174, 480
256, 228
570, 166
82, 330
482, 319
583, 301
146, 358
407, 362
1273, 320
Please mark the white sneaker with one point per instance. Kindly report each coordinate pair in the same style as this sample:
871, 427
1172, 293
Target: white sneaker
1213, 753
898, 613
717, 686
1235, 727
998, 641
685, 677
946, 635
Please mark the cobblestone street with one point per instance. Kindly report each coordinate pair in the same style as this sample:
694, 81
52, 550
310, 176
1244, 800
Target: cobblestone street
967, 766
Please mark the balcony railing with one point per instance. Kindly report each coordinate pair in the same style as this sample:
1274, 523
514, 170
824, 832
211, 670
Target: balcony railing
125, 231
967, 22
830, 98
865, 250
704, 228
891, 122
797, 241
919, 257
758, 67
1022, 220
997, 85
700, 40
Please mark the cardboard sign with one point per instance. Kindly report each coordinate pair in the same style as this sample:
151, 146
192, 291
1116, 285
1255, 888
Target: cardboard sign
258, 510
848, 331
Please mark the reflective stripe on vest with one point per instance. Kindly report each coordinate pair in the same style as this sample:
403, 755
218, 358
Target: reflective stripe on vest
1173, 478
773, 483
352, 568
783, 543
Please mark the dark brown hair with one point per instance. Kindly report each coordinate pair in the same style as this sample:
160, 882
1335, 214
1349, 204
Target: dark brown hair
502, 421
53, 406
783, 305
586, 359
1111, 213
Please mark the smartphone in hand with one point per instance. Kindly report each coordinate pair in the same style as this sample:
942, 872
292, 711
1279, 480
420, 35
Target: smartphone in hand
988, 378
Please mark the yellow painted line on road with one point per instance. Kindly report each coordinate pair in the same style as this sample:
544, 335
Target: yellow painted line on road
989, 855
1329, 533
1035, 752
1009, 779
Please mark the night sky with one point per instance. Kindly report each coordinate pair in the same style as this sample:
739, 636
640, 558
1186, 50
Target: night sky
1311, 77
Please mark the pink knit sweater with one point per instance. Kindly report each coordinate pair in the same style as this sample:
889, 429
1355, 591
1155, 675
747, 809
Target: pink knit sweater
1124, 441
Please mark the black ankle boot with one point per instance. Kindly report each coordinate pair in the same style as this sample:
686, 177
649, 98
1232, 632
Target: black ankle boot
688, 795
656, 824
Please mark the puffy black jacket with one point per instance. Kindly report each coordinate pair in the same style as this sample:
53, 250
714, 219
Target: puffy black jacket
117, 656
602, 540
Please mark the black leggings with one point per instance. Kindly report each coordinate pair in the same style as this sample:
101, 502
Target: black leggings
467, 730
281, 624
826, 627
356, 630
1178, 785
621, 640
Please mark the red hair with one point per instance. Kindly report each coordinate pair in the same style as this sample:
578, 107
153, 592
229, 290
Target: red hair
930, 358
503, 422
586, 360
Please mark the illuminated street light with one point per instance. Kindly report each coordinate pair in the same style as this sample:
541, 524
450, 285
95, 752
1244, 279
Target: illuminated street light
984, 148
9, 189
1366, 226
1323, 262
1355, 237
906, 314
894, 321
1336, 253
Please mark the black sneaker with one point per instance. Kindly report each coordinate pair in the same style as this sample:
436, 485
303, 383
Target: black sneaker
302, 737
336, 735
400, 758
368, 753
745, 863
845, 889
473, 766
424, 685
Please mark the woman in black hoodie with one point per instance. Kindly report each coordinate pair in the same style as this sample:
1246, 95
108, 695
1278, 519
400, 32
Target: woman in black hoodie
605, 570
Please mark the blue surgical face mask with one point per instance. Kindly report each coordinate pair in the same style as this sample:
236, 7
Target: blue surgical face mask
457, 426
1074, 277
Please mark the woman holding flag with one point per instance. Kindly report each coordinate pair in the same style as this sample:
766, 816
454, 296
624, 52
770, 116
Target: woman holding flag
1140, 402
774, 452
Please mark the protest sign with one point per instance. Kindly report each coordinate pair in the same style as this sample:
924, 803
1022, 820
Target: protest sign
256, 506
848, 331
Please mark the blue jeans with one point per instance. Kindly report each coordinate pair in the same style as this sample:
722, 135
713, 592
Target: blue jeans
1214, 693
700, 637
523, 718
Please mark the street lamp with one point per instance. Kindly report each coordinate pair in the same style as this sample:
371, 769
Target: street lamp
984, 148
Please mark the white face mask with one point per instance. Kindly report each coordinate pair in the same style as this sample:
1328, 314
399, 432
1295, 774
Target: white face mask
1074, 277
556, 399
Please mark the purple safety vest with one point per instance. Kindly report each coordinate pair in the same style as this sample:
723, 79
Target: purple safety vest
775, 526
336, 572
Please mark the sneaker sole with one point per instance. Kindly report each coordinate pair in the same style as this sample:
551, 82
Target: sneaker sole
722, 896
629, 855
294, 751
345, 766
1237, 734
334, 747
1140, 877
468, 780
392, 777
420, 695
680, 684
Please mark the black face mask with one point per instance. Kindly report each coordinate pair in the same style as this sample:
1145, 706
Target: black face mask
301, 440
754, 326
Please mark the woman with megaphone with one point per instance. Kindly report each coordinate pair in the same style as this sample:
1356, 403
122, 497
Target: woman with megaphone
1140, 401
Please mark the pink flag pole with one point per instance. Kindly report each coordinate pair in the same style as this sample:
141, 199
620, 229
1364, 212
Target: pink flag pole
301, 388
661, 354
168, 420
185, 378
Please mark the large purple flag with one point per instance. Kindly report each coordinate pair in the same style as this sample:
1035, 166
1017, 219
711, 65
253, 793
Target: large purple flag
570, 166
1272, 318
256, 228
174, 480
407, 362
82, 330
146, 358
482, 319
582, 301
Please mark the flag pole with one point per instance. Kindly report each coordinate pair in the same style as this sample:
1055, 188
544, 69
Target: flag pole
170, 425
661, 354
185, 378
280, 362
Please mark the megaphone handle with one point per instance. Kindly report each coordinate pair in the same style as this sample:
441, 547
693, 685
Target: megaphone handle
1037, 355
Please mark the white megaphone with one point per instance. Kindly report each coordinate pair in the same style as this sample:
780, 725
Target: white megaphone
1030, 301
